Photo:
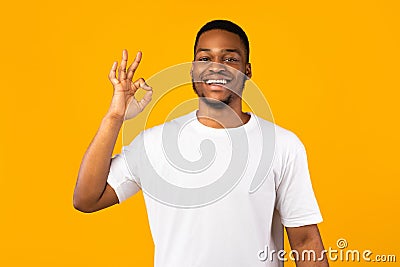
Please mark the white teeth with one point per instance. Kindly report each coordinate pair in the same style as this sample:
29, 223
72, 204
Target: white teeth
216, 81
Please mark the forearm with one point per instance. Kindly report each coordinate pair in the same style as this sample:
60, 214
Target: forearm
311, 254
93, 172
307, 242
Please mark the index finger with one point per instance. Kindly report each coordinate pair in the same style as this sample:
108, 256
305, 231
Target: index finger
134, 65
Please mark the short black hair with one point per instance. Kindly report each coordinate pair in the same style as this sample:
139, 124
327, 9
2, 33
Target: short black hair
225, 25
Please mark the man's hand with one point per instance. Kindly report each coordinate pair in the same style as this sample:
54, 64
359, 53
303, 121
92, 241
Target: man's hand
124, 105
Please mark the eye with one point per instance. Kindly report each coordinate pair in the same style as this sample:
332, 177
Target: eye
203, 59
231, 59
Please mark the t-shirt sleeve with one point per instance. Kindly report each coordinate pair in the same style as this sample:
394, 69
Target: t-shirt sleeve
122, 176
296, 201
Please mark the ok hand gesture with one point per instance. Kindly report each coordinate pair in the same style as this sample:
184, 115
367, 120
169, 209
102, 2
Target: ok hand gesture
125, 89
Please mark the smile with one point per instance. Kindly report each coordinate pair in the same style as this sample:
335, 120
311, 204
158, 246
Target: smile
217, 82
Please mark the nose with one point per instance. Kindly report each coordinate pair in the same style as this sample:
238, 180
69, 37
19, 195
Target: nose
216, 66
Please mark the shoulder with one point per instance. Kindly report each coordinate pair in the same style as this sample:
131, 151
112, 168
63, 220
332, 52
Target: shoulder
287, 138
286, 141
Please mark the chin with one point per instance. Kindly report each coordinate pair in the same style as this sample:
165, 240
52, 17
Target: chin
217, 103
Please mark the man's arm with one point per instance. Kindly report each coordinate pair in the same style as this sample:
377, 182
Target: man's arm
92, 192
306, 240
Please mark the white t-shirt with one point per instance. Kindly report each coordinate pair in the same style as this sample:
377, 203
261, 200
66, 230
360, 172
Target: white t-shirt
217, 228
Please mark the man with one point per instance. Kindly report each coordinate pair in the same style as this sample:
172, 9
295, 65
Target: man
236, 228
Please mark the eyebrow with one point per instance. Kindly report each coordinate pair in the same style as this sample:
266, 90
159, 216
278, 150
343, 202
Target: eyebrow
231, 50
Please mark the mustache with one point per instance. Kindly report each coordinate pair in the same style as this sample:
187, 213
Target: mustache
213, 76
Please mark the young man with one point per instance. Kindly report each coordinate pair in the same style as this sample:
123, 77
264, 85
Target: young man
197, 228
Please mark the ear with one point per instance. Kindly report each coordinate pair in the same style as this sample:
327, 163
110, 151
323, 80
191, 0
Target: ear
248, 70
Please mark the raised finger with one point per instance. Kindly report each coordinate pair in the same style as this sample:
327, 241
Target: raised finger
122, 67
134, 65
112, 75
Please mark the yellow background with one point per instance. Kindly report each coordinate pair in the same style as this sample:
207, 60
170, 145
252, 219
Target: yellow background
330, 71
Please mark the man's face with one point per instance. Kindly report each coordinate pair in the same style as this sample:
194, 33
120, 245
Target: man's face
220, 67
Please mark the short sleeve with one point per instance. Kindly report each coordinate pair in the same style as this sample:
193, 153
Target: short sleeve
296, 201
122, 173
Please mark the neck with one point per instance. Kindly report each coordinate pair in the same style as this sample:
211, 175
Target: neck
230, 116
